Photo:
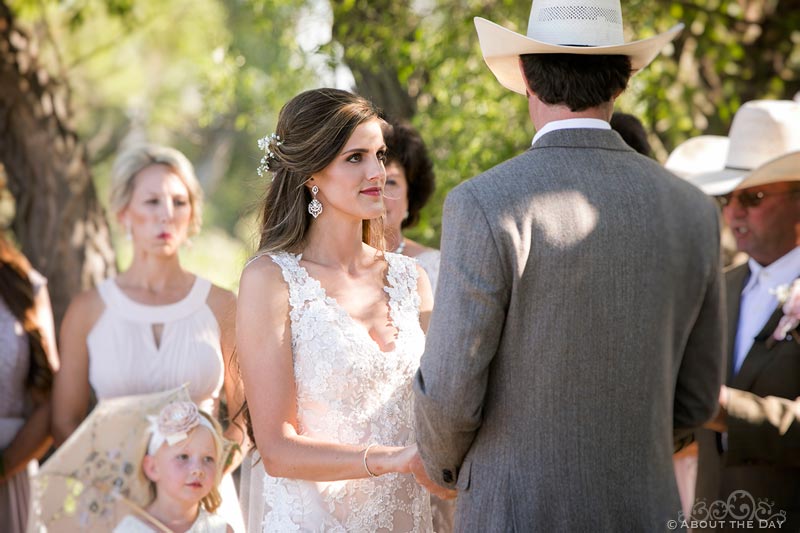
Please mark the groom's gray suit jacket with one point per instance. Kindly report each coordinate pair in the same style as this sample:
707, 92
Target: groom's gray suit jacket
578, 321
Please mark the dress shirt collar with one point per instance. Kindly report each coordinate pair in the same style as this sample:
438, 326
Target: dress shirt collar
570, 123
782, 271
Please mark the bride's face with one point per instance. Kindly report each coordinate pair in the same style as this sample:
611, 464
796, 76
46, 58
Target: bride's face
352, 184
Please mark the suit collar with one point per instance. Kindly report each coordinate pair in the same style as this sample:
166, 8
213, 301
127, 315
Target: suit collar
583, 138
571, 123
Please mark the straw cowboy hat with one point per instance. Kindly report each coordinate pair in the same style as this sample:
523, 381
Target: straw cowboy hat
783, 168
590, 27
761, 131
701, 154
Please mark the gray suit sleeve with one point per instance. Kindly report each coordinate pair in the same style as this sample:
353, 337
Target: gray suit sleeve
701, 371
464, 333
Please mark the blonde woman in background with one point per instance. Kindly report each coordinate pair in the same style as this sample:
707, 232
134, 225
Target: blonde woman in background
155, 326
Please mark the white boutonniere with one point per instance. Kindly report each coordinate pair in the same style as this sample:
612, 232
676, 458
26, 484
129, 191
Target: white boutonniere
789, 298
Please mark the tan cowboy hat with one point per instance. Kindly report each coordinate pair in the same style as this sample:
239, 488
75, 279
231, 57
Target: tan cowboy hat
701, 154
587, 27
761, 131
782, 168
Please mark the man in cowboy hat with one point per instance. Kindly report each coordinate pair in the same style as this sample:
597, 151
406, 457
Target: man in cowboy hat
749, 445
578, 317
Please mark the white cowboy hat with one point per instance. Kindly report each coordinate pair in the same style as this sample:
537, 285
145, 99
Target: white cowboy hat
701, 154
589, 27
761, 130
783, 168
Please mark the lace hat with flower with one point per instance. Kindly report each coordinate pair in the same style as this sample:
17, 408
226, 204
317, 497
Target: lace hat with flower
586, 27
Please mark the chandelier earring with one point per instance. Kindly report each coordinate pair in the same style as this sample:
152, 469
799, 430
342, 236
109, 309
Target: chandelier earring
314, 206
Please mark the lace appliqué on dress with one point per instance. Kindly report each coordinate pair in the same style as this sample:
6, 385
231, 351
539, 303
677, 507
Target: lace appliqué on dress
351, 392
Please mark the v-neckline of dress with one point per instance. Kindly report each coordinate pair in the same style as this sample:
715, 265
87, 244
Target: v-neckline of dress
343, 314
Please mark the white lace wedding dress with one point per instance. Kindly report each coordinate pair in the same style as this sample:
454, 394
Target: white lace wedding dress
349, 391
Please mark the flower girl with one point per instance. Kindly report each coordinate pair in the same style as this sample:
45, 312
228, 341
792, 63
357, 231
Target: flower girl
184, 463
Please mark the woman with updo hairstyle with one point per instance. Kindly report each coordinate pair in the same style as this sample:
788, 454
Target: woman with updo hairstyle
410, 182
330, 330
28, 358
155, 326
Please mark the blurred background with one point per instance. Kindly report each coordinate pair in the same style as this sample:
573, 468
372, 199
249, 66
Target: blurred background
79, 78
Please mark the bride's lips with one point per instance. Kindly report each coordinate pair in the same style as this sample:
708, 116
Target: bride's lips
165, 235
372, 191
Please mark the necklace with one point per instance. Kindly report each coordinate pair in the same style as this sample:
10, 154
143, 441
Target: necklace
400, 247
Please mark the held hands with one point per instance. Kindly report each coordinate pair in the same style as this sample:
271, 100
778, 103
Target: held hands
404, 458
380, 460
417, 468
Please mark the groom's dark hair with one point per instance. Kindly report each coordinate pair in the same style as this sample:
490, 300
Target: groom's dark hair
576, 81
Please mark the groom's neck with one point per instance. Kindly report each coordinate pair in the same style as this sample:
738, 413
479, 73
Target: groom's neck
542, 113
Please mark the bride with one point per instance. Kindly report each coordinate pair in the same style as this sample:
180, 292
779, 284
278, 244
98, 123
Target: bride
330, 329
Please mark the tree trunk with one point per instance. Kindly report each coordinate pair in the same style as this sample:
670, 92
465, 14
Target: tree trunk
374, 60
59, 223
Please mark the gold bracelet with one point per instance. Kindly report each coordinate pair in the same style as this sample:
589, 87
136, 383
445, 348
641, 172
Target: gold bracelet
365, 461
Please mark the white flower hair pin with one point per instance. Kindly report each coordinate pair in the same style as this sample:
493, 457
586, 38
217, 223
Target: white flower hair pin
789, 297
267, 145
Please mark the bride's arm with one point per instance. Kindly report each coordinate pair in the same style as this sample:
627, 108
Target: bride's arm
264, 348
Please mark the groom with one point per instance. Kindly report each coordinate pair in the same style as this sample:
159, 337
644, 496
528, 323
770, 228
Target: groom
578, 319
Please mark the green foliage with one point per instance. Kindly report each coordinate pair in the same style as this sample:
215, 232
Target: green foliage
205, 76
727, 55
468, 120
209, 77
152, 66
271, 68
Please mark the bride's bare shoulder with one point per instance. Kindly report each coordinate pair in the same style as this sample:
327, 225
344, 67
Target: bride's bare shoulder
261, 273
